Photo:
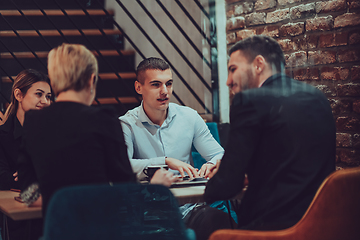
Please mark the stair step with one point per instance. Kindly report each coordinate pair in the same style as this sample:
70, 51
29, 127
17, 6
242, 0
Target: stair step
55, 12
53, 33
103, 76
44, 54
124, 100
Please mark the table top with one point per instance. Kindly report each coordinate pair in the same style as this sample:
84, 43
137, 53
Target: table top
15, 209
19, 211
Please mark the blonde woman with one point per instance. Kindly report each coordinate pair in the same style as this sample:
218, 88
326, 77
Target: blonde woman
80, 144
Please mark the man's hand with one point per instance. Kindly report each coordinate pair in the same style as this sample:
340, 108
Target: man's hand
206, 169
182, 167
15, 175
163, 177
214, 170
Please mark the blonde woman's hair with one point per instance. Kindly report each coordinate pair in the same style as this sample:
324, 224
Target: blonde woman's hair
23, 81
70, 67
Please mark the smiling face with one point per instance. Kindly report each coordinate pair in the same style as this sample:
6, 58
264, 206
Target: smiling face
241, 73
156, 90
37, 97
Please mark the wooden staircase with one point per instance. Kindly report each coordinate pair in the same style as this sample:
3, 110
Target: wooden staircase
30, 29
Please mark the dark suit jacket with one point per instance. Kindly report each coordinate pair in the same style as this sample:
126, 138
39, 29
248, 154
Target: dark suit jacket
282, 135
10, 140
72, 144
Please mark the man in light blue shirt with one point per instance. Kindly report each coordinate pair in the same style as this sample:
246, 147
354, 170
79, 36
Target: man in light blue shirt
159, 132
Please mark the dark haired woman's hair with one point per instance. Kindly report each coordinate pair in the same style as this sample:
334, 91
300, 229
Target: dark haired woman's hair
23, 81
264, 46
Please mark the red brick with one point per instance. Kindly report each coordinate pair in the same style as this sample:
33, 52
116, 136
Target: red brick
255, 19
303, 10
277, 16
312, 41
304, 74
329, 91
348, 90
321, 57
292, 29
354, 38
286, 45
347, 123
354, 4
356, 106
348, 156
264, 4
235, 23
230, 12
340, 106
335, 73
271, 31
230, 38
347, 19
343, 140
319, 24
349, 55
330, 6
356, 140
333, 39
287, 2
355, 74
244, 34
243, 8
296, 59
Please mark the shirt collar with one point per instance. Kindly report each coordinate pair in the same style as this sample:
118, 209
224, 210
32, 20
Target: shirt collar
144, 118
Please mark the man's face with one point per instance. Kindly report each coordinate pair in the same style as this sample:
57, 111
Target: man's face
241, 74
156, 90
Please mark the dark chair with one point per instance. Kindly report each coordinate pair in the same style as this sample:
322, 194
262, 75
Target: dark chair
197, 159
121, 211
334, 214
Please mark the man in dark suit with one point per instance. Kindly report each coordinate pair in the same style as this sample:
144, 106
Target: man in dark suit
282, 135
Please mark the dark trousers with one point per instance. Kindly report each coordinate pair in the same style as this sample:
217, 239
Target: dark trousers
205, 220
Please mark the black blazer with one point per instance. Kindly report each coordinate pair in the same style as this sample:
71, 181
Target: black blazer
282, 135
69, 143
10, 140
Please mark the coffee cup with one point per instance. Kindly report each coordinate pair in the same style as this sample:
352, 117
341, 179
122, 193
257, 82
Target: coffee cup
150, 170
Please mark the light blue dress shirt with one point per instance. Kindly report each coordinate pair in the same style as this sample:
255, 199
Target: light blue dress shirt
148, 143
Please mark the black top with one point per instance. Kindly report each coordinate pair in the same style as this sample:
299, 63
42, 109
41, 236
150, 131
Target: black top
283, 136
71, 144
10, 140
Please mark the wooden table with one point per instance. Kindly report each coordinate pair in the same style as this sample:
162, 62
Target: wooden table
191, 194
16, 210
19, 211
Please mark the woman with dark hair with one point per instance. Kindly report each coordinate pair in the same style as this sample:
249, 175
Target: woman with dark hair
31, 90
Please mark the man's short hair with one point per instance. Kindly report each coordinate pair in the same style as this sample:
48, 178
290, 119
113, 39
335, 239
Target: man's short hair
264, 46
150, 63
70, 67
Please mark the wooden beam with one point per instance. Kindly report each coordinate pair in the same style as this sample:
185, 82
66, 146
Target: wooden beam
103, 76
43, 54
55, 12
55, 33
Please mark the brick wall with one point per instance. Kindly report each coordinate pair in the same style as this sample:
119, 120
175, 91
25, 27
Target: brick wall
321, 42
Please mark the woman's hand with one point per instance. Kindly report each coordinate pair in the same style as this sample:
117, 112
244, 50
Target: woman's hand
15, 175
163, 177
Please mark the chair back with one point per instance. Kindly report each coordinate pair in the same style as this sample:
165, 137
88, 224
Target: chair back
333, 214
197, 158
121, 211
